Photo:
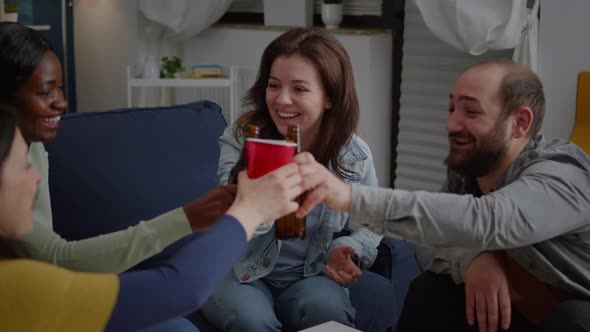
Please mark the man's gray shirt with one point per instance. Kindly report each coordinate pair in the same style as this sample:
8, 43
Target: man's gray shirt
539, 212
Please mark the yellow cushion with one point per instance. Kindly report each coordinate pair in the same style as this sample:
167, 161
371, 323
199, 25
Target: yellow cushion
581, 133
41, 297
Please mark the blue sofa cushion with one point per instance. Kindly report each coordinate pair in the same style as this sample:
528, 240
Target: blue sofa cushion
171, 153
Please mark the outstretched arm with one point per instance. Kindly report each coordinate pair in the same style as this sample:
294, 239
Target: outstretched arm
191, 275
117, 251
184, 283
506, 218
112, 253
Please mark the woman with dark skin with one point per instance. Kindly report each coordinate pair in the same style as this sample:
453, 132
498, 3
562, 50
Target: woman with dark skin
31, 82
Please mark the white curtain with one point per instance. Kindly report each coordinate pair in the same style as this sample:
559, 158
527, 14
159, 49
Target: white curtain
476, 26
184, 18
526, 52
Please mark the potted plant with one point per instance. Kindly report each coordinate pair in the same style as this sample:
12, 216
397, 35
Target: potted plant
171, 67
332, 13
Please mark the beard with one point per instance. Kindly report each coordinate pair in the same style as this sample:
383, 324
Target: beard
483, 158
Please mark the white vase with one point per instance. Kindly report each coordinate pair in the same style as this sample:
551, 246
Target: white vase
331, 15
151, 68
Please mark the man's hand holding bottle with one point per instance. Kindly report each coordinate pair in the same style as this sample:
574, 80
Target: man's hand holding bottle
321, 186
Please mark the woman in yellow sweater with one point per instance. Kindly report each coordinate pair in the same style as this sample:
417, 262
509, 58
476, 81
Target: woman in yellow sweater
42, 297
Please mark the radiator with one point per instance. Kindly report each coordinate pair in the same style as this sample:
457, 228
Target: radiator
230, 100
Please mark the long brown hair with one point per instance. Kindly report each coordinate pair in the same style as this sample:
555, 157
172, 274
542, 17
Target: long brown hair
333, 64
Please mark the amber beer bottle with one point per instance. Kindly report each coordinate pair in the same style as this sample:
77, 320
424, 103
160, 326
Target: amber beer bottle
252, 131
289, 226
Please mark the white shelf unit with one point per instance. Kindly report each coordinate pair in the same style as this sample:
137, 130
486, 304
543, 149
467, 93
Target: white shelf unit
240, 79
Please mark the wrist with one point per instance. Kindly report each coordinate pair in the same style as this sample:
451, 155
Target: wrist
246, 217
191, 218
346, 192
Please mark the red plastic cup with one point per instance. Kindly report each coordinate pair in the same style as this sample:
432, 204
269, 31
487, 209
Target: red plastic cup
265, 155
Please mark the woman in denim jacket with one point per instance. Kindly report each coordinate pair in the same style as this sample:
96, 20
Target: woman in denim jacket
305, 78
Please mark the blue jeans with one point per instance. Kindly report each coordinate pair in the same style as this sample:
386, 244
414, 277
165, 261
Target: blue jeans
178, 324
258, 307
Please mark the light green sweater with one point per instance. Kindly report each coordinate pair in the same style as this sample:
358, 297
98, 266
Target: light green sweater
113, 252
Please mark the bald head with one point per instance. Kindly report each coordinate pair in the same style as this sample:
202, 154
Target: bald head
517, 86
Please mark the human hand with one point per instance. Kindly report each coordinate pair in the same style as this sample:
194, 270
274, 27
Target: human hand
267, 197
486, 291
341, 268
321, 185
204, 211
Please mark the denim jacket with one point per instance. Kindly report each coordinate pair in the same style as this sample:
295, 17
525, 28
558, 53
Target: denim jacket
263, 249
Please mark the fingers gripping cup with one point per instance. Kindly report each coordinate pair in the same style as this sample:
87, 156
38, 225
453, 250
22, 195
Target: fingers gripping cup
267, 155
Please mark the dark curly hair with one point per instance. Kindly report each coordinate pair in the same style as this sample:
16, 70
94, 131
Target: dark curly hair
21, 50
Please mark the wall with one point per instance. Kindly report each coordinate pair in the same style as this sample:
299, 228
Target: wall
104, 50
371, 59
109, 35
564, 51
107, 38
105, 41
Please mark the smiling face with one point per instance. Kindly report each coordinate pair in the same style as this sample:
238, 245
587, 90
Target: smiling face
18, 184
41, 101
295, 95
478, 133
